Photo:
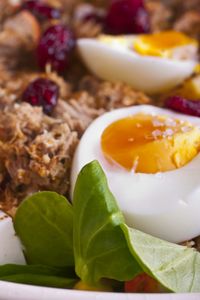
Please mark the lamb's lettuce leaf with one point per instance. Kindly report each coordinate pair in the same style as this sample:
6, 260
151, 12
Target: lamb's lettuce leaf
38, 275
175, 267
12, 269
102, 241
100, 247
41, 280
44, 223
103, 245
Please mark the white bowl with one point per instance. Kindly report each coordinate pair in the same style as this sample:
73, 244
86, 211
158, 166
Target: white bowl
12, 291
10, 248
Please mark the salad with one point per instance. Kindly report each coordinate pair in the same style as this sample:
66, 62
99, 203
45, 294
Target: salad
65, 246
99, 145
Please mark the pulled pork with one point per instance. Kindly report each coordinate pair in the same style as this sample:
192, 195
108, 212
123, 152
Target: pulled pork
175, 14
36, 150
18, 38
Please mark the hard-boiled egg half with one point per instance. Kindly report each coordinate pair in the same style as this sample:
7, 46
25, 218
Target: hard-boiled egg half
151, 158
151, 63
10, 247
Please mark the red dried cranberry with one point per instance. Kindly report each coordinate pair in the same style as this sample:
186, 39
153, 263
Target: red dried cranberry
185, 106
127, 16
55, 47
42, 92
41, 10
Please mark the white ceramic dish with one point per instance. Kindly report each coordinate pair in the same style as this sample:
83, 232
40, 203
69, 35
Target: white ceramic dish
10, 248
12, 291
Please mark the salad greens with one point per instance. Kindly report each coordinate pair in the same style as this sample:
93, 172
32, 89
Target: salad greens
41, 280
38, 275
101, 242
44, 223
102, 246
176, 267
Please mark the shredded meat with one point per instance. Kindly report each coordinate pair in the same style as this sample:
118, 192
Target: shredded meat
160, 15
8, 8
77, 113
89, 28
13, 84
19, 36
35, 151
181, 6
189, 23
175, 14
110, 95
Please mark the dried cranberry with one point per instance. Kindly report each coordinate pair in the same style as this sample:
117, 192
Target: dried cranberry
42, 92
127, 16
41, 10
185, 106
55, 47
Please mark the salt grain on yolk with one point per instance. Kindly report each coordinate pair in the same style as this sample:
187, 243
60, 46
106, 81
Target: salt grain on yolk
149, 144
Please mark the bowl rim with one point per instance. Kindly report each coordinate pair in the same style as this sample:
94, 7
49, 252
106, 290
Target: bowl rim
15, 291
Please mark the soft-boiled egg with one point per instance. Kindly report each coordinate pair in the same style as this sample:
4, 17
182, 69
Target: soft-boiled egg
150, 63
10, 247
151, 159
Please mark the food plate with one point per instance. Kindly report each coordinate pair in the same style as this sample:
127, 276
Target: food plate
85, 246
12, 291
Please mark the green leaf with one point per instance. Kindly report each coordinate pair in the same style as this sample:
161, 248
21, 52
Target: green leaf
100, 247
12, 269
44, 224
41, 280
103, 243
38, 275
104, 247
175, 267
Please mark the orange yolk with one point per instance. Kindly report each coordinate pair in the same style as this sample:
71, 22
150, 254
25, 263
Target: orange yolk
190, 89
150, 144
162, 43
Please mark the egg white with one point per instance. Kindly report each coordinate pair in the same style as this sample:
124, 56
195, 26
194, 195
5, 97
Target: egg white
167, 204
10, 247
117, 62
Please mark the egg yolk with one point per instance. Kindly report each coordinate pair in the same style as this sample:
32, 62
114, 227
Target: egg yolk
162, 43
113, 40
190, 89
150, 144
197, 69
